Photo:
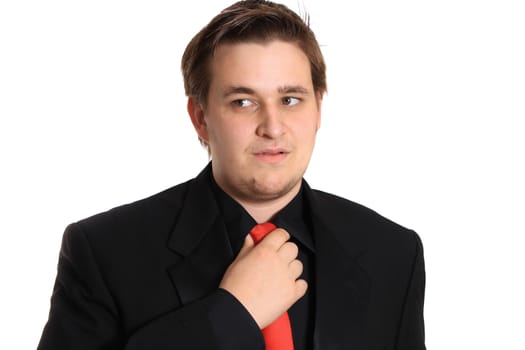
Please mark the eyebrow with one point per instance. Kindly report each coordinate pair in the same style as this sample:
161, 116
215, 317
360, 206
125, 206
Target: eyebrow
238, 90
286, 89
295, 89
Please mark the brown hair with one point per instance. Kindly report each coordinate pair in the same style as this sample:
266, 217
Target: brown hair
248, 21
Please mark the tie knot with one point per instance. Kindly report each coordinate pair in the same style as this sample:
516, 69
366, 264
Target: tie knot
260, 231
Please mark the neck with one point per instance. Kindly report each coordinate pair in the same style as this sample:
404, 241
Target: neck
261, 207
264, 211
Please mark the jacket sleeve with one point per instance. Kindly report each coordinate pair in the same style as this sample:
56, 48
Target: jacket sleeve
411, 334
84, 314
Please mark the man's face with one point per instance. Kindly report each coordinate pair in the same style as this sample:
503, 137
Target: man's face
261, 119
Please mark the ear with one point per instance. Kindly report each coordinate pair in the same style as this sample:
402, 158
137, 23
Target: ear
196, 112
319, 98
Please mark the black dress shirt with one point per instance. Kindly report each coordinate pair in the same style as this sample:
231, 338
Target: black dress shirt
294, 219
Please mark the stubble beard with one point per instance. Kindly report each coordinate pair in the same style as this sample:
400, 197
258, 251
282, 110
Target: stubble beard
257, 192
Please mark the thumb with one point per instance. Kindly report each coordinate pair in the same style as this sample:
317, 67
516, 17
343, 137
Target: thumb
247, 246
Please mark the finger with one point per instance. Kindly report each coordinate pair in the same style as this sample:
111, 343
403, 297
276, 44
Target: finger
300, 288
275, 239
288, 251
296, 269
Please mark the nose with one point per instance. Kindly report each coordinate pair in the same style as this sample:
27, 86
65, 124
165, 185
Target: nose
270, 122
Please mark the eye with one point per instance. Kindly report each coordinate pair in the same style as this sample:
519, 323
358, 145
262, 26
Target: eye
290, 101
242, 103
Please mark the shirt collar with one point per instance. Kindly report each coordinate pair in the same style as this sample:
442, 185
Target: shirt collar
293, 218
238, 222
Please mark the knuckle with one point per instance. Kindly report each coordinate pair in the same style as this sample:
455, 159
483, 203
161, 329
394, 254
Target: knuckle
263, 251
284, 234
301, 287
290, 247
297, 267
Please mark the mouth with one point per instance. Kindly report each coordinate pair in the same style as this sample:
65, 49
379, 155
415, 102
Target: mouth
271, 155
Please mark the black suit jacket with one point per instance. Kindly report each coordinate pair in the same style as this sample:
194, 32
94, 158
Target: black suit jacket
141, 276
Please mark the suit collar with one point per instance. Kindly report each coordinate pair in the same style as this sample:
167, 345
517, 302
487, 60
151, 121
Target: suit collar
342, 286
200, 237
197, 216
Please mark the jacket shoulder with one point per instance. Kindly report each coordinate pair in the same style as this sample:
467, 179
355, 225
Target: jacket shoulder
156, 213
361, 225
342, 209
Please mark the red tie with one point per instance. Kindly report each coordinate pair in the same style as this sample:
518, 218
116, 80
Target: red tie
278, 334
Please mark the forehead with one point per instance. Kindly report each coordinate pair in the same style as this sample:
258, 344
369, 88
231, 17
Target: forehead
267, 64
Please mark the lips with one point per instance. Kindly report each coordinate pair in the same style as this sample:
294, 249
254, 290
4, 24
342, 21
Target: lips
271, 151
271, 155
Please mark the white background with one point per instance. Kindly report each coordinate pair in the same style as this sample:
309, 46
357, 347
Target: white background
423, 123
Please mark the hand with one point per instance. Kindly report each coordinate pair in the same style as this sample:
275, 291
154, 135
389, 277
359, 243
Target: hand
264, 278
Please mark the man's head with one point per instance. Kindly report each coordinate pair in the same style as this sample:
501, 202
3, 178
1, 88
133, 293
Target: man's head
255, 77
248, 21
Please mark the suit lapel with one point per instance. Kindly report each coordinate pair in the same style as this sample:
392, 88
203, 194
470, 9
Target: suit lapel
200, 238
342, 287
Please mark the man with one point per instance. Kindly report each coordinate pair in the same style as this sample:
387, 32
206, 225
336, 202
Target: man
179, 270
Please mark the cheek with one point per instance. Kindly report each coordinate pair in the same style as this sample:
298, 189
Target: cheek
238, 130
307, 128
231, 136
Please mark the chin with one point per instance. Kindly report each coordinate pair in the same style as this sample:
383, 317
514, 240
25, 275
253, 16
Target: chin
273, 190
